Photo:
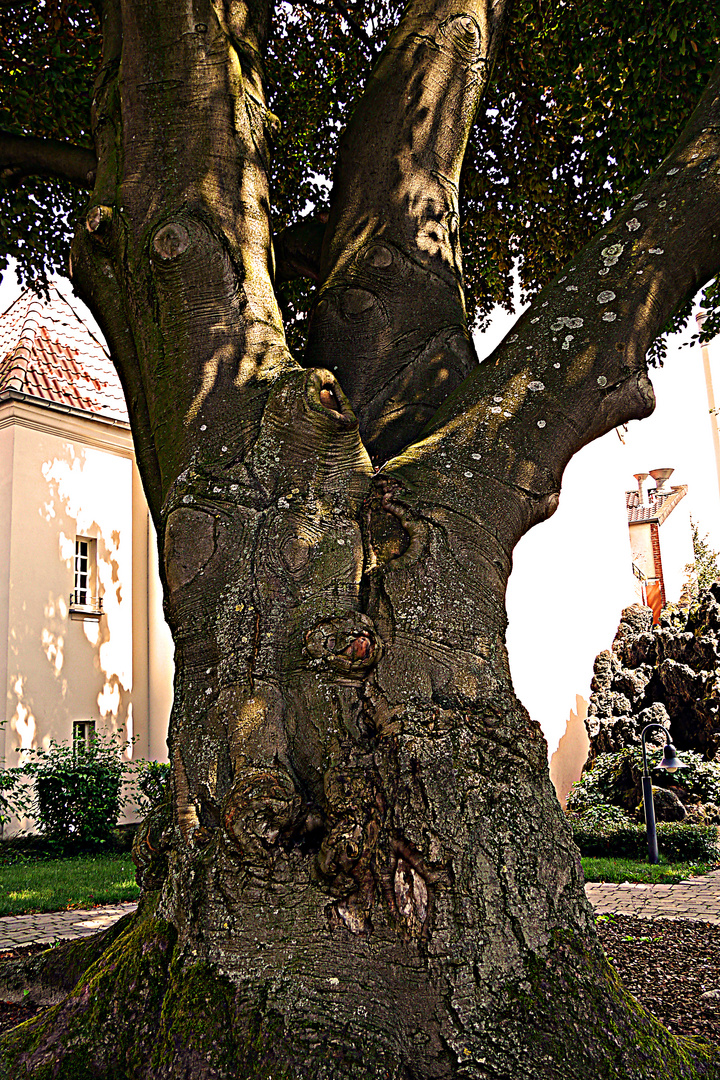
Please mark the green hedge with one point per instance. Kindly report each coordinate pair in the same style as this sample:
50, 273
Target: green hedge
677, 842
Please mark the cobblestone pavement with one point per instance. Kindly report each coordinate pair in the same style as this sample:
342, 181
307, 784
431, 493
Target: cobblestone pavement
698, 898
55, 925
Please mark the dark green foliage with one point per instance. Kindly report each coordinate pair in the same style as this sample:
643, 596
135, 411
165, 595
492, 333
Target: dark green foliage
704, 571
587, 100
151, 779
603, 816
682, 843
615, 779
676, 841
77, 791
9, 783
48, 54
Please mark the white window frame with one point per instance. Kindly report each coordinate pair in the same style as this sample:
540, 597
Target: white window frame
85, 601
83, 733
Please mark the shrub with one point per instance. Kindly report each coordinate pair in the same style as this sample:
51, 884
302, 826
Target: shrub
676, 841
76, 791
151, 781
615, 779
604, 817
9, 795
686, 843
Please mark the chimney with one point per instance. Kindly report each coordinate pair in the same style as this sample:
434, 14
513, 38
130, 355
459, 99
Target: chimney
660, 476
641, 477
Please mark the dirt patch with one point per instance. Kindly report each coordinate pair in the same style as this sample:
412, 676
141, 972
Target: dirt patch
668, 965
13, 1014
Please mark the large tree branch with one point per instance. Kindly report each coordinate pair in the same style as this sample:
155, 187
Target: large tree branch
182, 211
245, 448
573, 367
93, 266
390, 317
23, 155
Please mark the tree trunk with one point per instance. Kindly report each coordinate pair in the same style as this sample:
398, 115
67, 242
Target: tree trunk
364, 871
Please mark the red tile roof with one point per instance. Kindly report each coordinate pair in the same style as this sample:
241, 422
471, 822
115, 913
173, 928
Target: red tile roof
48, 353
658, 508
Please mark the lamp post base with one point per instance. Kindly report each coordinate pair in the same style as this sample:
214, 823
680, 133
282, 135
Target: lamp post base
650, 820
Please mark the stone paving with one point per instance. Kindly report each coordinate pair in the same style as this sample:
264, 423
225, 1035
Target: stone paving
697, 898
56, 925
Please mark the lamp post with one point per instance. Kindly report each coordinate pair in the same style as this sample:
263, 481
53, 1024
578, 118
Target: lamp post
671, 762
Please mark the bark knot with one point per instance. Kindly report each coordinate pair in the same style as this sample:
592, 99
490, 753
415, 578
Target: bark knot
171, 240
98, 220
261, 804
464, 35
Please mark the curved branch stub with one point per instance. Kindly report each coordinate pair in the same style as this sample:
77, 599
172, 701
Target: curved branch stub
262, 804
98, 220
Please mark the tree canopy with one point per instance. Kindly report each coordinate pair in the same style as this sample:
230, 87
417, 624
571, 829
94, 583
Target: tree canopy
590, 97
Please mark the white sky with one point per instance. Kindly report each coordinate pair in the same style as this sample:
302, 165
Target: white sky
572, 574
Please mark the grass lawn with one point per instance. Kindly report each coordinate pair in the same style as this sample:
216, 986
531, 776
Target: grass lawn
41, 884
636, 870
83, 881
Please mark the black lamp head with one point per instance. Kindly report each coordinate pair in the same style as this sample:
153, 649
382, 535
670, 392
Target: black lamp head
670, 761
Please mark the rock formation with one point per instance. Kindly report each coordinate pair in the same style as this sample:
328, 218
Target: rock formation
668, 674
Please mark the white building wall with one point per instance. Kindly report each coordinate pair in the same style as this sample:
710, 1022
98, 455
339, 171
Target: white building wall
161, 650
641, 547
65, 476
61, 669
6, 485
153, 649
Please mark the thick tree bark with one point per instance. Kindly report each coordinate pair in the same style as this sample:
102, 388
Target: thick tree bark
390, 315
364, 870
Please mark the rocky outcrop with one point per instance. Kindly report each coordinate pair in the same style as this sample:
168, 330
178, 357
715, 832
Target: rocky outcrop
668, 805
669, 673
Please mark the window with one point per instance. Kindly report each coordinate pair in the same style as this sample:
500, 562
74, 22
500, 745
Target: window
82, 572
85, 603
83, 734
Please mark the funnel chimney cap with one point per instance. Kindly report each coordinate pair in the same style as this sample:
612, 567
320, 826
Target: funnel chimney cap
641, 477
660, 476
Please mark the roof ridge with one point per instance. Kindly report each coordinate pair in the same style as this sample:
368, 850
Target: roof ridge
662, 505
49, 354
18, 357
